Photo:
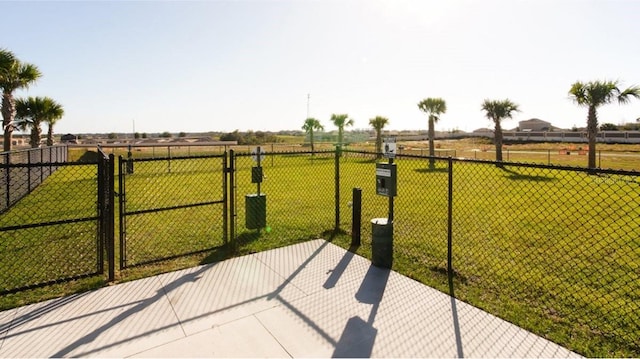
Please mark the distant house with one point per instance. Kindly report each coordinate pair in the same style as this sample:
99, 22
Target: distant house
483, 130
534, 124
69, 138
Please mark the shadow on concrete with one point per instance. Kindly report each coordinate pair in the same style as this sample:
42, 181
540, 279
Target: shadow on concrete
359, 336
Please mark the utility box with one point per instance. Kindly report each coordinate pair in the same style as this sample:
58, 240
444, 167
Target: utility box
256, 175
255, 210
386, 179
382, 242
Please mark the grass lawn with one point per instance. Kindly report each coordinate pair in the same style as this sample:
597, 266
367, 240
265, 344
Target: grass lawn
555, 252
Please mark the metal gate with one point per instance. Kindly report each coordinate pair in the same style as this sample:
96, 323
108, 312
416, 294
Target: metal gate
171, 207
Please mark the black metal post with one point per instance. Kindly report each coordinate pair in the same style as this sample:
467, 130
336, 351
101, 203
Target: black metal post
8, 179
41, 165
232, 197
29, 172
121, 205
102, 215
258, 160
390, 216
225, 213
169, 160
449, 221
337, 189
356, 216
110, 220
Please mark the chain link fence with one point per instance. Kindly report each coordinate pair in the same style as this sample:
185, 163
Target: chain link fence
50, 232
288, 202
555, 250
552, 249
24, 170
170, 207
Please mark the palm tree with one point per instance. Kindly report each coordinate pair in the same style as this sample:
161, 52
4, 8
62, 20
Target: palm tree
378, 124
434, 107
341, 121
53, 112
311, 124
593, 95
14, 75
30, 114
497, 111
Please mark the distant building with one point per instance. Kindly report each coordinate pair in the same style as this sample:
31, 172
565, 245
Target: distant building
534, 124
69, 138
483, 130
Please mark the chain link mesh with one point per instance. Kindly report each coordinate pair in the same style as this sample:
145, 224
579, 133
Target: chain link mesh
49, 232
171, 207
297, 187
554, 250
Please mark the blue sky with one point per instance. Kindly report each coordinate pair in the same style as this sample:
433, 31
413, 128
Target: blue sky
249, 65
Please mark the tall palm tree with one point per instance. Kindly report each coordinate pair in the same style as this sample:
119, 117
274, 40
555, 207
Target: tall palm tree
53, 112
14, 75
434, 107
498, 110
594, 94
311, 124
30, 114
378, 124
340, 121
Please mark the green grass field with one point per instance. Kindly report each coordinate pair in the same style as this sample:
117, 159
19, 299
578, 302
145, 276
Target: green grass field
555, 252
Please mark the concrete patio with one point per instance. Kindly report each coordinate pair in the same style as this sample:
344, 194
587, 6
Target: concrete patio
308, 300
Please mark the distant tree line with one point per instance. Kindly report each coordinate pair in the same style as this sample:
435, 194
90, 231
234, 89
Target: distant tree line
250, 137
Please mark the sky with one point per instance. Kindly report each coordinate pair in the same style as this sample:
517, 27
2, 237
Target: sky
199, 66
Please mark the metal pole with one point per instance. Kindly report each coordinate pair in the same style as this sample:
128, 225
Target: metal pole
225, 198
122, 213
356, 216
111, 256
337, 188
8, 179
232, 197
449, 221
29, 172
169, 160
390, 221
258, 159
600, 159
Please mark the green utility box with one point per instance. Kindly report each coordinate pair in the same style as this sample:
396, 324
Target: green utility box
255, 210
381, 242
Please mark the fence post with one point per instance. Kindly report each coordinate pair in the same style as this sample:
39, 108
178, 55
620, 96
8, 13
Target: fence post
102, 215
356, 216
337, 188
28, 172
110, 220
122, 213
41, 167
225, 214
599, 158
450, 221
8, 179
232, 198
